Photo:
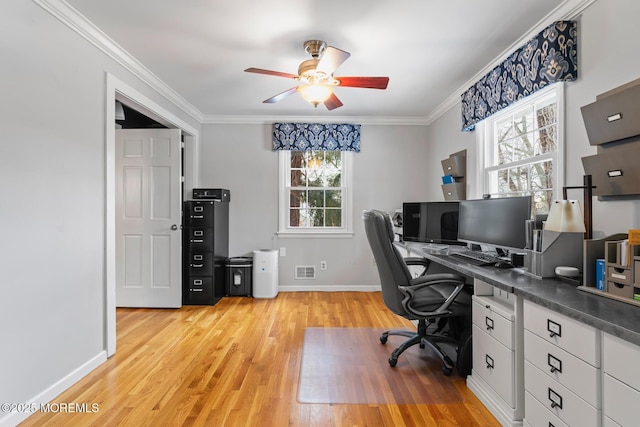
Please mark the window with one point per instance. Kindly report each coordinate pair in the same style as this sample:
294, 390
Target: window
314, 192
523, 149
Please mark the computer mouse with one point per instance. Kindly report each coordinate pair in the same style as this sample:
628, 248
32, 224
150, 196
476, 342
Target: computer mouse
504, 264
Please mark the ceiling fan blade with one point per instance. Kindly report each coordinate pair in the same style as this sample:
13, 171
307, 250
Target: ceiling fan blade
331, 59
271, 73
332, 102
281, 96
365, 82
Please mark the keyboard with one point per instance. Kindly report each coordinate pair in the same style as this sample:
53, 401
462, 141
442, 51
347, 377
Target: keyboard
476, 257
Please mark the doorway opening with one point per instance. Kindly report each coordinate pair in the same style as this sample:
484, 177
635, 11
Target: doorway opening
116, 90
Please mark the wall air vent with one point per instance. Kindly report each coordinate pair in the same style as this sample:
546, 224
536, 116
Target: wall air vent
305, 272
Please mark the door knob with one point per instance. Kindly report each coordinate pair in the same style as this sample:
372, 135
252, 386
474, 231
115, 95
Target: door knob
174, 227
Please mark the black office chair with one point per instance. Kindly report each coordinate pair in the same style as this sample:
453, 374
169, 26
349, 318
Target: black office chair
429, 299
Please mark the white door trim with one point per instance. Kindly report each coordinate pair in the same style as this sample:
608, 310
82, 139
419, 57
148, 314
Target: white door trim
116, 88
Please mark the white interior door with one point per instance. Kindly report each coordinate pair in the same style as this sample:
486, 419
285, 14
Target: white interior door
148, 218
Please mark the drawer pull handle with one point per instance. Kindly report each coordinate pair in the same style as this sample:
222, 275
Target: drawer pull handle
555, 329
197, 216
489, 323
555, 398
197, 265
197, 257
489, 360
197, 241
554, 363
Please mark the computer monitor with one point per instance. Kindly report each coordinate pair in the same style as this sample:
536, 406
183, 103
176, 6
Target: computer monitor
430, 222
499, 222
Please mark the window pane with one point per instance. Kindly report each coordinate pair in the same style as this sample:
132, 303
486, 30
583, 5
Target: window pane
523, 121
297, 198
505, 152
315, 178
333, 218
298, 159
546, 140
541, 175
542, 201
333, 198
523, 147
298, 178
316, 198
519, 178
546, 115
504, 130
316, 217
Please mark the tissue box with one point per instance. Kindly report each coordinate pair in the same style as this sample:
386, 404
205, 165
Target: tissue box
601, 273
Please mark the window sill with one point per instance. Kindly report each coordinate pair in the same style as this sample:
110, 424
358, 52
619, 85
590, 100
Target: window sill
315, 235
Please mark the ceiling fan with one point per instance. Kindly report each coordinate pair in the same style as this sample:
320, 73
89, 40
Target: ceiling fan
316, 76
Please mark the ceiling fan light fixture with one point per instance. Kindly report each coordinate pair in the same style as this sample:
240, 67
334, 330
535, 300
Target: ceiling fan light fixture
315, 93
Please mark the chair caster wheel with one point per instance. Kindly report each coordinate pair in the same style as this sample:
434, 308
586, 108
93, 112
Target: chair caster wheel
447, 371
383, 339
393, 362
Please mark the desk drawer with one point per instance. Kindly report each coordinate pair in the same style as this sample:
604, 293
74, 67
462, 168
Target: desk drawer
559, 400
620, 360
569, 334
619, 275
537, 415
620, 402
568, 370
495, 364
489, 316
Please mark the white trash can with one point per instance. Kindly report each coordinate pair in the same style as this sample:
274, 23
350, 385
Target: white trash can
265, 273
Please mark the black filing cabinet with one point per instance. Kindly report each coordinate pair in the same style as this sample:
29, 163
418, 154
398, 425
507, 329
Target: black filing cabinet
205, 250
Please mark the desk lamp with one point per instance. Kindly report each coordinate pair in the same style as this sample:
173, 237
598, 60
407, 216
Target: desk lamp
565, 216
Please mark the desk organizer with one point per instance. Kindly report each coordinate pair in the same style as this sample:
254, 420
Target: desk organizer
454, 184
558, 249
621, 276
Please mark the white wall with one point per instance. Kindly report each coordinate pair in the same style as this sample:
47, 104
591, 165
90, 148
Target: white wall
608, 37
52, 156
390, 169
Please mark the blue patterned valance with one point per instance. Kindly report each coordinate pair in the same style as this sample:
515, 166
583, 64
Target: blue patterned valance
316, 136
549, 57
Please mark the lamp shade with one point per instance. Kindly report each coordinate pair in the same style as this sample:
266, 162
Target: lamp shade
565, 216
315, 93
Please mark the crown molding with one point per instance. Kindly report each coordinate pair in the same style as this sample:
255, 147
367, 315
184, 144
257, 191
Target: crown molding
260, 120
567, 10
73, 19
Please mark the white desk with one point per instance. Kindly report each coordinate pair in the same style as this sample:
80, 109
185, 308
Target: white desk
515, 316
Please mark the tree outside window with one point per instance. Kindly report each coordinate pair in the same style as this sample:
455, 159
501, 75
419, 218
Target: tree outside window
523, 152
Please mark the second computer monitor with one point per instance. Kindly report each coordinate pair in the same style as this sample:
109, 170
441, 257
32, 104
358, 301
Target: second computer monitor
430, 222
498, 222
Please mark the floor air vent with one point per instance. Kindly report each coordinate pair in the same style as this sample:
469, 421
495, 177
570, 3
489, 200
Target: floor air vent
305, 271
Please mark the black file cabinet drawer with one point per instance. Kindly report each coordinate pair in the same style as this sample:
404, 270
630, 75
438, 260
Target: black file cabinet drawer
200, 291
201, 264
199, 214
200, 239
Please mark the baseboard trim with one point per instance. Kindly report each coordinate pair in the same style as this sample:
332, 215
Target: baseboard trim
14, 418
329, 288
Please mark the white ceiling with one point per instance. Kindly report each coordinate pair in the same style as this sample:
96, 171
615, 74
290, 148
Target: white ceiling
429, 49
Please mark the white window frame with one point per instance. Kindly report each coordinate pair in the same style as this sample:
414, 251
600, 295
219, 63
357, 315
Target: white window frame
284, 230
484, 139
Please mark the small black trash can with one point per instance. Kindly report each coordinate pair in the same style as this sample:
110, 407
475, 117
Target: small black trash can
239, 276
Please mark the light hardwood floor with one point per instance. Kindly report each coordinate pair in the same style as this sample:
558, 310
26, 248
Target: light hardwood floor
237, 364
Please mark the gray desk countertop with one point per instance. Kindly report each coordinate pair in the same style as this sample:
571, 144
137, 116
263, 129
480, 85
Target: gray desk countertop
614, 317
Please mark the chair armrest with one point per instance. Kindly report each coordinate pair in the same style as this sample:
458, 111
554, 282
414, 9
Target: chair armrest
409, 292
419, 261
